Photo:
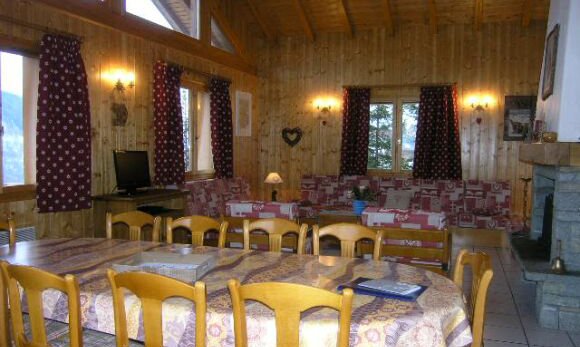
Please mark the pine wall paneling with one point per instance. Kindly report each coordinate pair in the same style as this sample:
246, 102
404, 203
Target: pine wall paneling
105, 49
500, 59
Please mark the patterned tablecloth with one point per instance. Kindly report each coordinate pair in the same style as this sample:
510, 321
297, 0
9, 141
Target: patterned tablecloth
406, 219
262, 209
437, 318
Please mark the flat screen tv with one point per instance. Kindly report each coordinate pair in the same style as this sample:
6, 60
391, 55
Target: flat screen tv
131, 170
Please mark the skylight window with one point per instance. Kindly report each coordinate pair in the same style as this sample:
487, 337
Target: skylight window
146, 9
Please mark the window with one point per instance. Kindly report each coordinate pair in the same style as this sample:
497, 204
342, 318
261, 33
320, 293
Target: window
196, 130
19, 86
181, 16
392, 129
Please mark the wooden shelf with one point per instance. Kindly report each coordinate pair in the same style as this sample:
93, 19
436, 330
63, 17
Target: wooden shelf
552, 154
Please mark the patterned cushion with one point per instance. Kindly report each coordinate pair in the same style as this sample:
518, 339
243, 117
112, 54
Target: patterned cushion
410, 219
413, 243
470, 220
261, 209
208, 197
414, 261
489, 195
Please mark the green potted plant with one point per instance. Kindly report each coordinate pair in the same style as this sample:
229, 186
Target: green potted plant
362, 195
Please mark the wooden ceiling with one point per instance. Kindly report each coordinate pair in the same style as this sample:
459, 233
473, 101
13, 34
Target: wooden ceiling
309, 17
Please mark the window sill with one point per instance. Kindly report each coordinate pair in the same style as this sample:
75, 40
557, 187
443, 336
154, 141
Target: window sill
190, 176
389, 173
18, 193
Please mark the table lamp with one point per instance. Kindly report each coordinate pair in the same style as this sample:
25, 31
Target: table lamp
273, 178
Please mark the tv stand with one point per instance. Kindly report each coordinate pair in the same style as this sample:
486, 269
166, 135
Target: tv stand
172, 200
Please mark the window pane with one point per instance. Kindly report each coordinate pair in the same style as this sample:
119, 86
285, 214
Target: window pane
410, 113
219, 39
381, 136
186, 117
181, 16
11, 73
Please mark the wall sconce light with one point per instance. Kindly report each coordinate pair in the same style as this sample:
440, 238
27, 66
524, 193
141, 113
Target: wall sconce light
479, 104
121, 80
324, 105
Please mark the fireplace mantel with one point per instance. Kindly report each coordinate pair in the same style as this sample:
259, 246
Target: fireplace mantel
552, 154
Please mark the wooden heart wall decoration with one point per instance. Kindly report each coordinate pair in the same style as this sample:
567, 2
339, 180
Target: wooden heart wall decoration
292, 136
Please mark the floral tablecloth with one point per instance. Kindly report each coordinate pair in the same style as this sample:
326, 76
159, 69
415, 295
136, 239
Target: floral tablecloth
437, 318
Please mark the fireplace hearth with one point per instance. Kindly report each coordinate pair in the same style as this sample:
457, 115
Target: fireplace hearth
555, 217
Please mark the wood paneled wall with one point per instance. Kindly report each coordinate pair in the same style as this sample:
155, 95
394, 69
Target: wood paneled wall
105, 49
500, 59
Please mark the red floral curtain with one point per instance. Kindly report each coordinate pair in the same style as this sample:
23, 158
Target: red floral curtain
355, 131
169, 156
63, 136
221, 128
437, 144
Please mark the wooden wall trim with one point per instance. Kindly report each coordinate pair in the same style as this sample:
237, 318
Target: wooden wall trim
16, 45
102, 15
18, 193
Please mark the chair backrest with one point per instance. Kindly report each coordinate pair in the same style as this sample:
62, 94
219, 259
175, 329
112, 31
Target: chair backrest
152, 290
34, 282
8, 225
417, 243
348, 234
198, 226
482, 274
135, 220
281, 298
276, 228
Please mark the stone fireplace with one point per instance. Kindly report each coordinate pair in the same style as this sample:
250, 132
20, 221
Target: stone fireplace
557, 173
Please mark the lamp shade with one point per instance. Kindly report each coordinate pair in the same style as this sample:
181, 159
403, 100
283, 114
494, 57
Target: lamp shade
273, 178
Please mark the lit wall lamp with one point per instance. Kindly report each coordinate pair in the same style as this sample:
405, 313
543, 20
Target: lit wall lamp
121, 80
325, 106
479, 104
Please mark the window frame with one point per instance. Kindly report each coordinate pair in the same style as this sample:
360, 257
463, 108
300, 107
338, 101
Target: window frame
30, 49
195, 87
397, 99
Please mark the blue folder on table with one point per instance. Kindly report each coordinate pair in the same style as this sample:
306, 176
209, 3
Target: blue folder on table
355, 285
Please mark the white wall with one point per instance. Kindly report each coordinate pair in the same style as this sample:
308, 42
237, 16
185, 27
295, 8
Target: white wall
561, 111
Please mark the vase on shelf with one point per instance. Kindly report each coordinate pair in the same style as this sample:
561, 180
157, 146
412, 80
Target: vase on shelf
358, 206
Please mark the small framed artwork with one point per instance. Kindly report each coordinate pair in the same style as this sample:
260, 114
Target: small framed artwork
550, 57
518, 117
243, 114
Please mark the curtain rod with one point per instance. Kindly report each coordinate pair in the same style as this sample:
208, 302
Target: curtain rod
197, 72
37, 27
409, 85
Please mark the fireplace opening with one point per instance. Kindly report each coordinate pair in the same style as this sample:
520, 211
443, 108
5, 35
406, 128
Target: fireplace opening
544, 245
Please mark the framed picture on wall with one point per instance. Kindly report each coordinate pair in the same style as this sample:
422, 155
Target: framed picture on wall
550, 57
243, 114
518, 117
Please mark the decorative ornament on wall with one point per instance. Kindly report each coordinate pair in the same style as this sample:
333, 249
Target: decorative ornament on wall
292, 136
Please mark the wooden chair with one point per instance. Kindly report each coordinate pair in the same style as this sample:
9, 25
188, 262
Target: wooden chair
482, 274
8, 226
153, 289
281, 298
348, 234
276, 228
198, 226
34, 282
408, 248
135, 220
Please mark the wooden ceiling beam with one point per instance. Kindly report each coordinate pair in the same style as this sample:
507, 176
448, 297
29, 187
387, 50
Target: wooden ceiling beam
229, 31
265, 29
388, 16
305, 23
342, 9
526, 13
478, 15
433, 16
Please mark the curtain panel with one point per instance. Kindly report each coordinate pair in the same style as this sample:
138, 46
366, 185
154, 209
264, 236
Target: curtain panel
221, 128
355, 131
63, 136
168, 125
437, 144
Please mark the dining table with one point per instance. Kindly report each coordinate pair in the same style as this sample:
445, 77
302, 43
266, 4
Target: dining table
438, 317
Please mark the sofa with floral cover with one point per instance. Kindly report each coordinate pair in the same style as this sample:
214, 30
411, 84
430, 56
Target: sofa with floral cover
468, 203
208, 197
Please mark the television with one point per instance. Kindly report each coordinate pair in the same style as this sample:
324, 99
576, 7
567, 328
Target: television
131, 171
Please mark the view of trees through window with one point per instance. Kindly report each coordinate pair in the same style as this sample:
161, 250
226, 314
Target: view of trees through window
384, 134
187, 127
12, 118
